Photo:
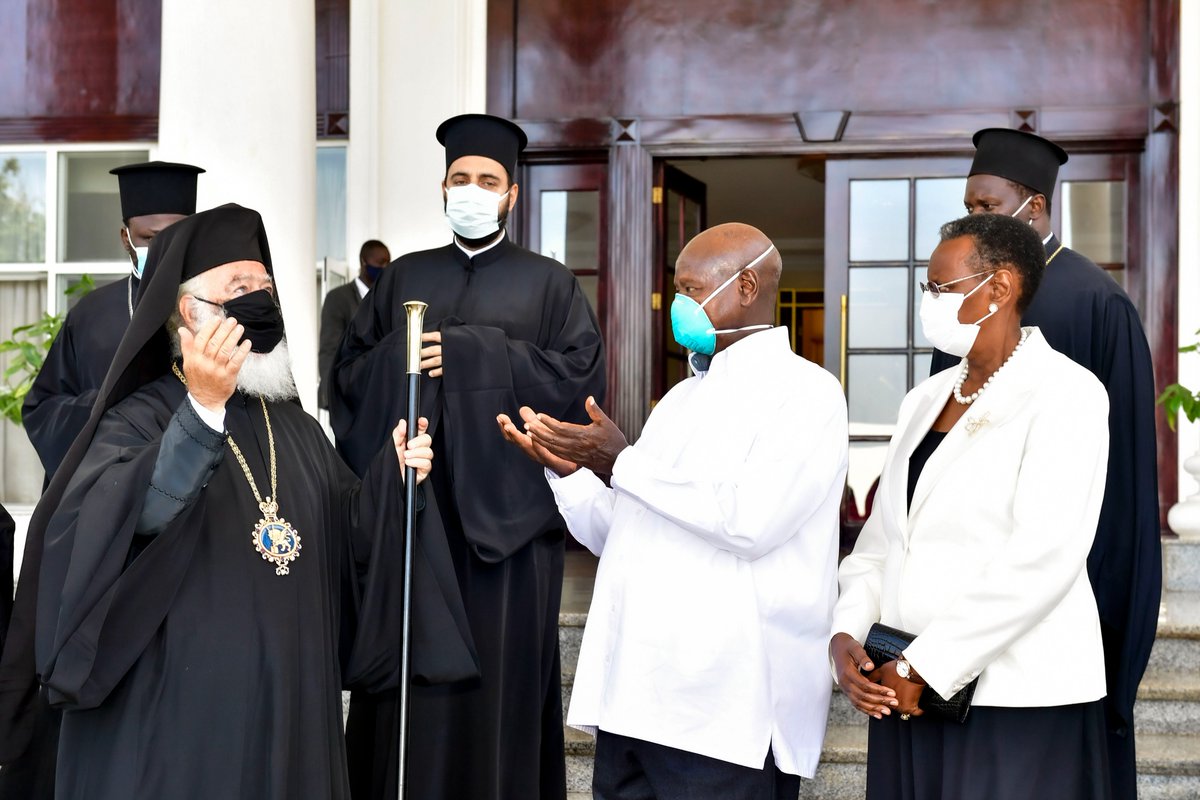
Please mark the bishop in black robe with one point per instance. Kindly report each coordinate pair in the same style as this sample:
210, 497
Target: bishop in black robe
516, 330
1085, 315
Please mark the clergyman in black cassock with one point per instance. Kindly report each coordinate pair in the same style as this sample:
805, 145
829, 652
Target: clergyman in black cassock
1086, 315
195, 651
154, 195
515, 329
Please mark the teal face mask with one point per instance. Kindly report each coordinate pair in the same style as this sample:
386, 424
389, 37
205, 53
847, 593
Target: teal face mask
690, 324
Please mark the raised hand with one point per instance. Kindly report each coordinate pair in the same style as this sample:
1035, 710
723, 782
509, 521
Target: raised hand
212, 359
530, 448
595, 446
416, 452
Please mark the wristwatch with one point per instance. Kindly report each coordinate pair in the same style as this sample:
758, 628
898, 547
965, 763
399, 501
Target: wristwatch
903, 668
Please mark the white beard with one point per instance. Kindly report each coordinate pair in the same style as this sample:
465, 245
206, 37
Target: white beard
268, 375
265, 375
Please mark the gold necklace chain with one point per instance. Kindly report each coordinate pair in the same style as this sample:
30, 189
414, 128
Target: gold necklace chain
274, 538
1056, 252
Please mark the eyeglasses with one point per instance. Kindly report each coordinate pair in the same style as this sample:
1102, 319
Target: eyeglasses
936, 288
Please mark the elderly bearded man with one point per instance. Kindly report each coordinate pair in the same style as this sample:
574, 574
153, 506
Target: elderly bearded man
212, 557
703, 670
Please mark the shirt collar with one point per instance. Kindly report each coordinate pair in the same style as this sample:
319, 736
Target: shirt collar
747, 354
362, 288
473, 253
1049, 236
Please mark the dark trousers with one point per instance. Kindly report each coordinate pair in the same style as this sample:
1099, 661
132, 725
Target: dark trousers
632, 769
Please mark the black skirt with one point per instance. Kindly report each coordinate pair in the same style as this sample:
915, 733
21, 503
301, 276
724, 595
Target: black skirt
1055, 752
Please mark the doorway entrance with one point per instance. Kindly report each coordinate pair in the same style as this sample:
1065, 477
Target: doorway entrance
784, 197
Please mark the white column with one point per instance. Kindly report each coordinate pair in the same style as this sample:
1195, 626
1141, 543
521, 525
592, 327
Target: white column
412, 65
1189, 234
238, 97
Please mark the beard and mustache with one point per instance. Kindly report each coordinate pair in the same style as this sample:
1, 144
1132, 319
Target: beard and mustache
265, 375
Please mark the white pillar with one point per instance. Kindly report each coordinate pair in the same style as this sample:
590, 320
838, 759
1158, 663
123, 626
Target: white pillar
238, 97
1189, 234
412, 65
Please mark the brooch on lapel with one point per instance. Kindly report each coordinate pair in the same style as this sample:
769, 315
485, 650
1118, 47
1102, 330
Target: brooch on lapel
974, 425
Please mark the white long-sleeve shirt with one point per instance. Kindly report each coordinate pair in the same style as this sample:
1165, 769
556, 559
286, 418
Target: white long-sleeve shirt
718, 547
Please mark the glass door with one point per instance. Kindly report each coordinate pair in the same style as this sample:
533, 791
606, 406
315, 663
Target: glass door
881, 225
680, 212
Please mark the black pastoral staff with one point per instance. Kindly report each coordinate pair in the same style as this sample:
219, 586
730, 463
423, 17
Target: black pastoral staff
207, 571
505, 328
1085, 315
154, 195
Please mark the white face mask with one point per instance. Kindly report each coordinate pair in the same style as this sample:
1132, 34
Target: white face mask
473, 211
142, 252
939, 321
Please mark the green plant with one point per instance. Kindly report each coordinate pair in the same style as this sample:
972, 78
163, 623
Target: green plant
1177, 397
29, 345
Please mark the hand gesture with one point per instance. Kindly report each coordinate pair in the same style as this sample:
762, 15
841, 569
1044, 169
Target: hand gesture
849, 659
416, 452
595, 446
212, 359
431, 356
530, 448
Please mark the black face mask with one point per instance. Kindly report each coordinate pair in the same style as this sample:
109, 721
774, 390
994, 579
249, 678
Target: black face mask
259, 314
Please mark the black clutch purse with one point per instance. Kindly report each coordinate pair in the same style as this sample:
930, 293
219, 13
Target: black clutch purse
885, 644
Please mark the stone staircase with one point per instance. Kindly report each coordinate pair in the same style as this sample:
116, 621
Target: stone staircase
1167, 715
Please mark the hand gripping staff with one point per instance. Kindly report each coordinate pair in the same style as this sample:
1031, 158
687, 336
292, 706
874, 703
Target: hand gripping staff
416, 320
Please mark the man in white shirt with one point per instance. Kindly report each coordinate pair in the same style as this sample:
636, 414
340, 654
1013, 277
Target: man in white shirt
703, 670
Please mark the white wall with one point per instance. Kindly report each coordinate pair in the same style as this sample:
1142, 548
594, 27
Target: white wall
1189, 231
412, 65
238, 97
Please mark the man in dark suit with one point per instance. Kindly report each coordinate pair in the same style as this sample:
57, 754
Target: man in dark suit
340, 305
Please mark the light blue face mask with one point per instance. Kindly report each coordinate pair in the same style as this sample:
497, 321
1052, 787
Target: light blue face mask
690, 324
140, 265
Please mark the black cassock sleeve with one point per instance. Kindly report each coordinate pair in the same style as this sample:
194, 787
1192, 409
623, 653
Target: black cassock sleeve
1125, 565
96, 611
371, 620
57, 406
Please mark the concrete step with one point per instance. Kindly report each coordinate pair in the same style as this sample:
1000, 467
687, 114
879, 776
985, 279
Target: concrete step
1181, 565
1168, 765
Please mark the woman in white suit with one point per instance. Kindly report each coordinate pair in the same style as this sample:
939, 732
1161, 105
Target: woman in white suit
977, 543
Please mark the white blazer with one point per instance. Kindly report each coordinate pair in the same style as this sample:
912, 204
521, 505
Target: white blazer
989, 566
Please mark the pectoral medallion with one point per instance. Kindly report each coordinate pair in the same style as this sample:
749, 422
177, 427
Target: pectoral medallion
275, 538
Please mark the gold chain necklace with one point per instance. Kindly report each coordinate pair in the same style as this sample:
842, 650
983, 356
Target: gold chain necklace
1056, 252
274, 537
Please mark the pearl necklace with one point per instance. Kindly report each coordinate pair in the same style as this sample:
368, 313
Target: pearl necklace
962, 376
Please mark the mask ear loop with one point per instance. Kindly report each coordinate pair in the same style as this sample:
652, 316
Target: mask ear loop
731, 279
1022, 206
992, 307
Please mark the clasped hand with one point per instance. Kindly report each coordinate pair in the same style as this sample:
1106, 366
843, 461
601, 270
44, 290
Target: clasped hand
564, 447
880, 690
416, 452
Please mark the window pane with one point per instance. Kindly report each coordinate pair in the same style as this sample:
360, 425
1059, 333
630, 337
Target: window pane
1093, 219
21, 302
89, 205
879, 220
590, 284
878, 313
331, 206
921, 365
571, 228
939, 200
876, 385
921, 274
65, 301
22, 207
